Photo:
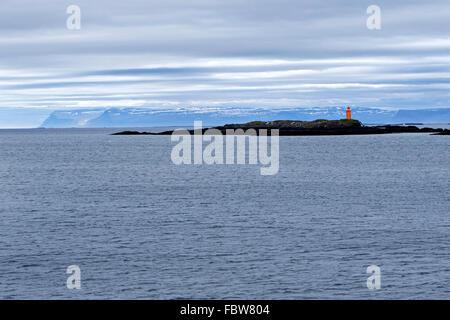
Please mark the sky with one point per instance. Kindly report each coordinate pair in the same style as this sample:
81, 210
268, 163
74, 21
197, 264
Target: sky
221, 53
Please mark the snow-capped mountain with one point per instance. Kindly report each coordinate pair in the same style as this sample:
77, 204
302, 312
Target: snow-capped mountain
147, 117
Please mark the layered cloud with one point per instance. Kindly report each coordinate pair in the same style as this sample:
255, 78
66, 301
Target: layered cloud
224, 53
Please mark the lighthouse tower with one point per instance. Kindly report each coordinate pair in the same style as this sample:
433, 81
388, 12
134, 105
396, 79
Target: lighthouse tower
349, 113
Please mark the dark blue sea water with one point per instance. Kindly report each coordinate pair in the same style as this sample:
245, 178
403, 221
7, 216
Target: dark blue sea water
140, 227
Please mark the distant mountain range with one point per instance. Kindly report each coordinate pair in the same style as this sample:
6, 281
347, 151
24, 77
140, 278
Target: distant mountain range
145, 117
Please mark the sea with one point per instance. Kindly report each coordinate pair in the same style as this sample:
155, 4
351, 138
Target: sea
140, 227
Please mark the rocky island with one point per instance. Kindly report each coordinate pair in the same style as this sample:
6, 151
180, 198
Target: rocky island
309, 128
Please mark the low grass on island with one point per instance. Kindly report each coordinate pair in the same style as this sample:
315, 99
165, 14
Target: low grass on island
315, 124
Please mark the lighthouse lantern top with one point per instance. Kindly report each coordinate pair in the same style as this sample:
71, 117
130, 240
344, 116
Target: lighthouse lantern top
349, 113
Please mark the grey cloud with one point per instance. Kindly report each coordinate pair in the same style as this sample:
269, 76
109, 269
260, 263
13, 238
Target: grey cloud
146, 49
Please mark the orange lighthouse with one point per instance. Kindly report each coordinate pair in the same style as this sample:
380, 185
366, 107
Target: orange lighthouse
349, 113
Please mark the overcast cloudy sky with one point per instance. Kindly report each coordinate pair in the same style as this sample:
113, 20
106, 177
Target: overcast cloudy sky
208, 53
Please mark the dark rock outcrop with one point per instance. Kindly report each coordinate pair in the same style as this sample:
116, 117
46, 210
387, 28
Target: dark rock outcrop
131, 133
444, 132
306, 128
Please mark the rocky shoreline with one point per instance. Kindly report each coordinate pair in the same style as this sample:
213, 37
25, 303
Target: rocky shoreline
308, 128
444, 132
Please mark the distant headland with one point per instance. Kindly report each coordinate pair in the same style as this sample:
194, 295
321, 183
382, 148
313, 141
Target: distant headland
181, 117
307, 128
